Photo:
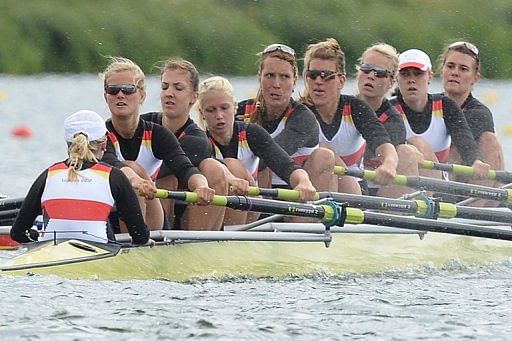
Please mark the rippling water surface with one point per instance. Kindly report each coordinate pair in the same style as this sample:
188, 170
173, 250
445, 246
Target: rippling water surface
454, 302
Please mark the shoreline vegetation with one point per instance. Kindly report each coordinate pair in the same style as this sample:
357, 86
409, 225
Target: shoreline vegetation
224, 36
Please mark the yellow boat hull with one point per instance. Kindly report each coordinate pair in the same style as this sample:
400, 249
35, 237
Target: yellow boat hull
347, 253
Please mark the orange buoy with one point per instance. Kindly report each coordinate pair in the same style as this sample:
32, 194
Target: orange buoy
22, 131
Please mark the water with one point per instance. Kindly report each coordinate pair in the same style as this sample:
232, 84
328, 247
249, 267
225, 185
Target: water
454, 302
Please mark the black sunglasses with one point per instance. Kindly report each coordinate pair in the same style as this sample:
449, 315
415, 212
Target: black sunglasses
379, 72
126, 89
324, 74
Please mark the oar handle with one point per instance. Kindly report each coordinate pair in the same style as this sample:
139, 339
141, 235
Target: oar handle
277, 193
191, 197
367, 174
469, 171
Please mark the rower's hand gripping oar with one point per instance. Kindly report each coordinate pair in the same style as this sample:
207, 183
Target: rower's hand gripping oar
451, 187
503, 176
330, 213
421, 208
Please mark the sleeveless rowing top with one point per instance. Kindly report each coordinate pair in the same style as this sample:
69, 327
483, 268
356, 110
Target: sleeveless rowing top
347, 143
244, 153
371, 161
81, 205
302, 153
436, 134
145, 158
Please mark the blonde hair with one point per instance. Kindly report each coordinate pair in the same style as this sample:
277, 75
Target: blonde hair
215, 83
260, 113
387, 51
79, 151
120, 64
329, 49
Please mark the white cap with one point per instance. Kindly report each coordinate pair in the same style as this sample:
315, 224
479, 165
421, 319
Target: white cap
414, 58
87, 122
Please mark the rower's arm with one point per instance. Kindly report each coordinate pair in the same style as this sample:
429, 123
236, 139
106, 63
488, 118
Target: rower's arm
389, 161
459, 130
128, 207
29, 210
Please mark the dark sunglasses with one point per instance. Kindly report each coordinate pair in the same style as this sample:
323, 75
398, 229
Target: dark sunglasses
379, 72
126, 89
324, 74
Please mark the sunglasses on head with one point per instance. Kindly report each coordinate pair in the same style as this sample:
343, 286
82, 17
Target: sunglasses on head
324, 74
379, 72
279, 47
472, 48
126, 89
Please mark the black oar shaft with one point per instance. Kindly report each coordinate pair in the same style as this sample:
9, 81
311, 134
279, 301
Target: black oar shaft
383, 219
327, 213
451, 187
422, 208
10, 203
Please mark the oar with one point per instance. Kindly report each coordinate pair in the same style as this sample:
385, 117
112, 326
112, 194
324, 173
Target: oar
10, 203
503, 176
421, 208
352, 215
451, 187
329, 214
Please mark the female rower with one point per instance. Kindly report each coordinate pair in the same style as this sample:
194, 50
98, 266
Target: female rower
347, 124
460, 70
292, 125
139, 147
241, 145
179, 87
77, 194
432, 121
375, 77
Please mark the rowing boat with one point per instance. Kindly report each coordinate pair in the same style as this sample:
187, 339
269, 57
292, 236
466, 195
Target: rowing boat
273, 250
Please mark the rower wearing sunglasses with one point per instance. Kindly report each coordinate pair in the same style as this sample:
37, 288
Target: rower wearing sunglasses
347, 124
432, 121
291, 124
460, 71
179, 91
139, 147
376, 74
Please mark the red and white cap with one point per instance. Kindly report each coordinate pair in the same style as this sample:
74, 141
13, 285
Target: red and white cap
87, 122
414, 58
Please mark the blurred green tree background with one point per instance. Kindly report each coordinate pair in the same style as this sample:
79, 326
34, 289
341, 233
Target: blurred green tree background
224, 36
